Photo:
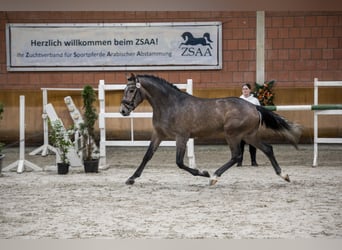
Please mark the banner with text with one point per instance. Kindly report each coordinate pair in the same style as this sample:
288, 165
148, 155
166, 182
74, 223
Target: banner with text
59, 47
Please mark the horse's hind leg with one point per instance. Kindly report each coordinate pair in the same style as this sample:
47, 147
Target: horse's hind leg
180, 153
268, 151
236, 156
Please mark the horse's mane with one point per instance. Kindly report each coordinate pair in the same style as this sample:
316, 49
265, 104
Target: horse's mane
161, 81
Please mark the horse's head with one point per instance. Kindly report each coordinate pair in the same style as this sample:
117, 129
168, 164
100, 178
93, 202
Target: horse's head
132, 96
187, 35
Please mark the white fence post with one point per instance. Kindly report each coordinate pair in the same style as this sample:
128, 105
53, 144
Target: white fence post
317, 139
190, 143
102, 125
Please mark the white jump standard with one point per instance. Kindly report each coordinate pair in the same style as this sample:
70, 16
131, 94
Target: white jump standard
22, 162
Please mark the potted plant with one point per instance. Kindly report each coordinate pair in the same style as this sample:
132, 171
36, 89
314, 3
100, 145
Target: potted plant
1, 144
87, 130
60, 139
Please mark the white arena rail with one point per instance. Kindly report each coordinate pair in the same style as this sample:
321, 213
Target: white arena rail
319, 109
103, 115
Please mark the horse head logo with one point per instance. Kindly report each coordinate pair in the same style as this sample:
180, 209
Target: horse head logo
189, 39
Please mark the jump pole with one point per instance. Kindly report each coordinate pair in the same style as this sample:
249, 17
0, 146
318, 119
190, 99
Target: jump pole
21, 163
305, 107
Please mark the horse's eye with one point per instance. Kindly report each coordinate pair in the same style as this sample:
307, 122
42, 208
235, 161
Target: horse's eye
131, 91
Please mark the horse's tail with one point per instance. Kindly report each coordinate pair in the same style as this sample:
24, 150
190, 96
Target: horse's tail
291, 131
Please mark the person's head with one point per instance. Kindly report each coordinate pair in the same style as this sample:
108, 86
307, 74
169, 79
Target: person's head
246, 89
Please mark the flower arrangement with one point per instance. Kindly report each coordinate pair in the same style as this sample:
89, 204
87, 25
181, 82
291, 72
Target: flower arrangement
264, 93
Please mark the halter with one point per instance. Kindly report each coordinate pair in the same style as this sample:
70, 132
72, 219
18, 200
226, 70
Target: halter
130, 104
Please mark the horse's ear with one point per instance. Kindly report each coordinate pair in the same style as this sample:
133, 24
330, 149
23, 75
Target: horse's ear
131, 78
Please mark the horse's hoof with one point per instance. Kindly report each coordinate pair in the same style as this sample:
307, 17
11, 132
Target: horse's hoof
206, 174
287, 178
213, 180
130, 181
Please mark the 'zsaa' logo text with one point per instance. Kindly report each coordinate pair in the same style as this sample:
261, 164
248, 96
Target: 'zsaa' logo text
190, 45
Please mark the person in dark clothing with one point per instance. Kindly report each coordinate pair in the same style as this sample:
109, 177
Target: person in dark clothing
246, 95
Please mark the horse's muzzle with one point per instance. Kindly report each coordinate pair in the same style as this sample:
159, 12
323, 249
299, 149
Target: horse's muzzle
125, 110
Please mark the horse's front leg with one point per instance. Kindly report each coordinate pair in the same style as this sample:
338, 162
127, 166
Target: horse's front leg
154, 144
180, 153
